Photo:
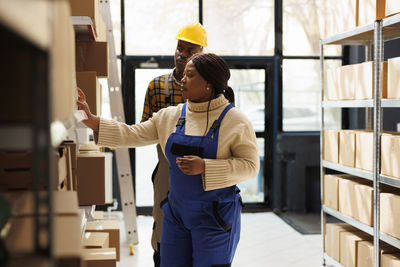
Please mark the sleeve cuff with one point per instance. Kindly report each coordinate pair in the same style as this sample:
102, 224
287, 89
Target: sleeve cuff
215, 175
109, 134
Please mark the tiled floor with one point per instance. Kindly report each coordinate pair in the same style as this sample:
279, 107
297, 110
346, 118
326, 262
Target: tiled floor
266, 241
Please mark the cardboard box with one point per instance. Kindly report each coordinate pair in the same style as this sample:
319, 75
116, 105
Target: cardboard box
347, 201
96, 240
390, 260
364, 202
109, 226
92, 56
22, 203
370, 10
331, 146
364, 150
90, 85
62, 74
365, 80
99, 257
366, 253
392, 7
347, 84
332, 84
390, 154
332, 240
393, 82
390, 214
66, 242
90, 8
349, 247
72, 184
347, 148
91, 179
98, 215
331, 191
16, 169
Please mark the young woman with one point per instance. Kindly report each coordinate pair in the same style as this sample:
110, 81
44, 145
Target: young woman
211, 146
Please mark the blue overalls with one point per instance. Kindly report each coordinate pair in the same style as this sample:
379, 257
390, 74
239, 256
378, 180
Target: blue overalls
200, 228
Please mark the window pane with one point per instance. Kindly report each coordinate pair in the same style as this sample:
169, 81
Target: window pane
115, 7
146, 157
152, 31
252, 190
302, 96
237, 27
303, 24
249, 88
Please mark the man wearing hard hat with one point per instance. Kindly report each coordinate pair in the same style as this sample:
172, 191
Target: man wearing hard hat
164, 91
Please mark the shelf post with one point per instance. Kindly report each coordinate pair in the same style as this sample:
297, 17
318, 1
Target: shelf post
321, 138
378, 58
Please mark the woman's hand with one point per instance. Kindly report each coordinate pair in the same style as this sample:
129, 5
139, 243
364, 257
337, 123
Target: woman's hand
191, 165
92, 121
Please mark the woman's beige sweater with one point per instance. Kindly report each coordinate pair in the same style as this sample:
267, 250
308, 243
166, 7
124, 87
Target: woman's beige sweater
237, 155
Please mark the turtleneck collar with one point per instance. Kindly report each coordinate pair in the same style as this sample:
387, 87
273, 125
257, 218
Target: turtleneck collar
202, 107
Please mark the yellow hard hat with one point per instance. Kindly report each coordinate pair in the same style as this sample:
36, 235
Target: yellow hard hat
193, 33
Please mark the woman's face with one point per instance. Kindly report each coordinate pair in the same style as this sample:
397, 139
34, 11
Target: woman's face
194, 86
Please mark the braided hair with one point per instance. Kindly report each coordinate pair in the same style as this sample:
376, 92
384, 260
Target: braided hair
215, 71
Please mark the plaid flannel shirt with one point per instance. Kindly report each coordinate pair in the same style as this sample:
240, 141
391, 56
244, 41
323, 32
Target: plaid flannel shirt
156, 97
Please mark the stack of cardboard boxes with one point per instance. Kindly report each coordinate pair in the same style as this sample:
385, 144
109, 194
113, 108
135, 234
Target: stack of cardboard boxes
342, 15
78, 179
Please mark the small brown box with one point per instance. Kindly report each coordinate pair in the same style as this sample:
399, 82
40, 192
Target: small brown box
96, 240
92, 56
88, 82
393, 81
331, 146
332, 84
99, 257
347, 202
364, 201
347, 148
349, 247
109, 226
332, 240
91, 179
390, 154
366, 253
364, 150
370, 10
390, 260
331, 191
347, 85
390, 214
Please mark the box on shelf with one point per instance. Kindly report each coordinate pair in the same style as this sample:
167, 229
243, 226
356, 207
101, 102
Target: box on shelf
390, 154
366, 252
347, 148
91, 174
364, 86
62, 74
347, 82
99, 257
66, 241
331, 191
22, 202
88, 82
364, 201
370, 10
90, 8
364, 150
331, 146
98, 215
332, 239
347, 201
392, 7
390, 260
109, 226
92, 56
393, 82
71, 181
390, 214
96, 240
349, 246
332, 84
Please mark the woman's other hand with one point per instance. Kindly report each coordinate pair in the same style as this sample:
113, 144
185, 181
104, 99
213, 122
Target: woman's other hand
191, 165
92, 121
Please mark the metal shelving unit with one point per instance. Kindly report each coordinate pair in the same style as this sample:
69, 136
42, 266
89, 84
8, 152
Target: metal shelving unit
375, 33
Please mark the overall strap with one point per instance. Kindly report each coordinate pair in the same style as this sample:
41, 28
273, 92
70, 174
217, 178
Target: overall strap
215, 126
180, 125
166, 90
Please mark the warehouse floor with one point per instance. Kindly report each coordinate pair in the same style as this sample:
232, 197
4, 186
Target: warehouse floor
266, 241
